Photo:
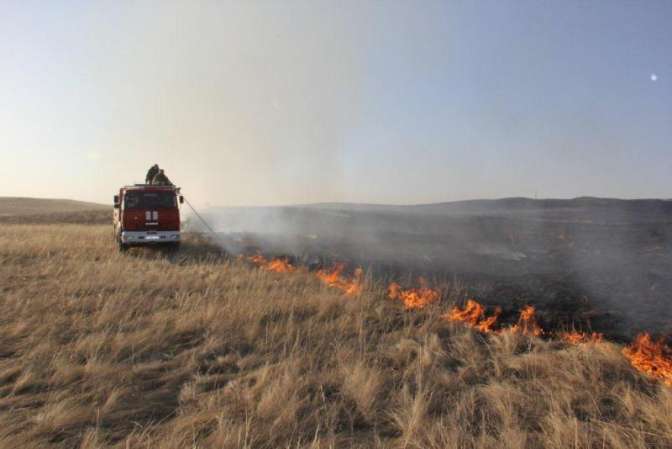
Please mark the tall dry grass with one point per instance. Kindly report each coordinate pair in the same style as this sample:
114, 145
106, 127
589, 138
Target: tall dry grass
190, 350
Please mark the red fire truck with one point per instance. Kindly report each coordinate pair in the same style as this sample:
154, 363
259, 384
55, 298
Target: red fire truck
147, 214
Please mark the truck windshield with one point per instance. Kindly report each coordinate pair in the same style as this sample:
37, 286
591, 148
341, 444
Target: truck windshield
149, 200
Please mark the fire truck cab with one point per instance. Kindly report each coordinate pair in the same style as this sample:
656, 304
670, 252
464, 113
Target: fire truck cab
147, 214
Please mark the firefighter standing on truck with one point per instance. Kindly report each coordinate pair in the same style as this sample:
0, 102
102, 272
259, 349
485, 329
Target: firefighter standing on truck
153, 170
160, 179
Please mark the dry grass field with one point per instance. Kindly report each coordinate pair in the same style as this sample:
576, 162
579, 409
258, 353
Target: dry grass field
14, 210
193, 350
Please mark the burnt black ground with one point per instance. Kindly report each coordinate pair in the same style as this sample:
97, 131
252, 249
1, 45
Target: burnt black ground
604, 264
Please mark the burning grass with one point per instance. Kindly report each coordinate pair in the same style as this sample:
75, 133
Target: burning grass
577, 337
276, 265
167, 351
334, 277
414, 298
651, 357
527, 323
473, 315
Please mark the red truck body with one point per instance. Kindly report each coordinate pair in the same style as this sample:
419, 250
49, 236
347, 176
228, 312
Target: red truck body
147, 215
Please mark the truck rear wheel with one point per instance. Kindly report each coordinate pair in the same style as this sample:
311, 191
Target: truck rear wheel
121, 245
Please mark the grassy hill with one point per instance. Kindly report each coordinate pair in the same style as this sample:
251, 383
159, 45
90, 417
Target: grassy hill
193, 350
32, 206
42, 210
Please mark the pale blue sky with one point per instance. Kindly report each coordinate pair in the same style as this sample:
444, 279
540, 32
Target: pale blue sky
293, 102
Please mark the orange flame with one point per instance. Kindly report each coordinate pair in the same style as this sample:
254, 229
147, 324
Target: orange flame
413, 298
473, 315
333, 277
277, 265
280, 266
527, 323
651, 357
488, 324
576, 337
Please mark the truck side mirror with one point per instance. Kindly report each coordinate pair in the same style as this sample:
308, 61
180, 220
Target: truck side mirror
116, 201
181, 199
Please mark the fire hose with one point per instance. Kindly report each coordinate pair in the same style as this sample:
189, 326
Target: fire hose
205, 223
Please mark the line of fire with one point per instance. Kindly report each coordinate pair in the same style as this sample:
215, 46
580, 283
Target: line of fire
646, 354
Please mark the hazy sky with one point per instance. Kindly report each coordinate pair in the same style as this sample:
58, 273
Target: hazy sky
262, 102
